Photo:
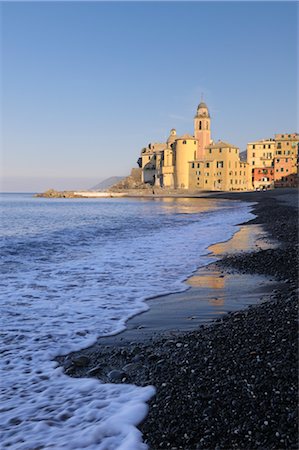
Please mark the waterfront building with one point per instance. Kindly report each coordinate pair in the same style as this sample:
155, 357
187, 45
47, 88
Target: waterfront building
221, 169
195, 162
286, 160
273, 162
261, 153
262, 177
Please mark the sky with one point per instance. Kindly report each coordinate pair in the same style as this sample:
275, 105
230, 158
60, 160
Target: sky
86, 85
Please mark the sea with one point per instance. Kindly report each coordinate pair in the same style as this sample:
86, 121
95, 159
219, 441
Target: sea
73, 270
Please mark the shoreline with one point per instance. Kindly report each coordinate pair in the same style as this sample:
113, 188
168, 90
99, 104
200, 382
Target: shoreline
222, 421
210, 292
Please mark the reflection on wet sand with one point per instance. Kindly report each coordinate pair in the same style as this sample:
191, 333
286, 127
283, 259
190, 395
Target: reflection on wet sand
248, 238
217, 301
212, 292
207, 279
191, 205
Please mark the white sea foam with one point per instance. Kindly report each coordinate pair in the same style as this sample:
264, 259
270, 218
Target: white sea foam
73, 271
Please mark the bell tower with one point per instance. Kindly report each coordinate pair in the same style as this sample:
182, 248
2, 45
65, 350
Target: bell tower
202, 129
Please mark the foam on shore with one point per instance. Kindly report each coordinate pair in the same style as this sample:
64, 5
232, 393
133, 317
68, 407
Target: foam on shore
68, 278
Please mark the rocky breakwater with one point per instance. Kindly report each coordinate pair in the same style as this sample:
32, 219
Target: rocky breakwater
229, 385
52, 193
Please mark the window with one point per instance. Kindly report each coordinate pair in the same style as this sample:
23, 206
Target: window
286, 160
192, 165
206, 181
269, 146
264, 146
278, 144
219, 164
198, 165
231, 181
198, 178
253, 146
253, 154
236, 151
184, 142
210, 150
200, 124
207, 164
278, 152
195, 142
281, 170
253, 163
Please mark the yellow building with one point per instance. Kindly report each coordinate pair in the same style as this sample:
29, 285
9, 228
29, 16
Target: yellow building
185, 150
221, 170
194, 162
261, 153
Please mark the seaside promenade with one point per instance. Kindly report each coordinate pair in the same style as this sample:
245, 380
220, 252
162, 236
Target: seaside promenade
232, 383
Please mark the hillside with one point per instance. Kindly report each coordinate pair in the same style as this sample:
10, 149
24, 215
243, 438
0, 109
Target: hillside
106, 184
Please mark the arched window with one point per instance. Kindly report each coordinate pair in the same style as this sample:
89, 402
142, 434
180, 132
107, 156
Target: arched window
200, 124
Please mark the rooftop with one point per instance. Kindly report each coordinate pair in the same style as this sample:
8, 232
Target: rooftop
221, 144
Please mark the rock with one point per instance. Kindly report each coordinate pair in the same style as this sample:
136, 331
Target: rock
81, 361
131, 367
94, 371
116, 376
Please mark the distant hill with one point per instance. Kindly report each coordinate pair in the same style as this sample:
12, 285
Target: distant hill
105, 184
243, 155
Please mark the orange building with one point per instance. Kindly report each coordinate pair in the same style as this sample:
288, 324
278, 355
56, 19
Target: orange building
284, 173
263, 177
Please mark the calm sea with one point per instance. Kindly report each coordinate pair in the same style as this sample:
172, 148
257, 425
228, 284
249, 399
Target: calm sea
73, 270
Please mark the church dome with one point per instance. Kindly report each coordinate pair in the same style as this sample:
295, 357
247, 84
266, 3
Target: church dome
202, 110
202, 105
172, 137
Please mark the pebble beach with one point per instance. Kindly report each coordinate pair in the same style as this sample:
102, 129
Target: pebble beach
231, 383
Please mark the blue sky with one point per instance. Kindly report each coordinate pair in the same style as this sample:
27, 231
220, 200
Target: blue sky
86, 85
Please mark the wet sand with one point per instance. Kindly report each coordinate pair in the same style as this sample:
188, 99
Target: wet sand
212, 292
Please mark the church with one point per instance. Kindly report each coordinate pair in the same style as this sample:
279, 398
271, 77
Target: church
195, 162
